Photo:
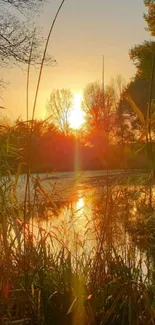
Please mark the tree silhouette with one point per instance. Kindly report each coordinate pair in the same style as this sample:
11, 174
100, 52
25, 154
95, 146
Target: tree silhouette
150, 16
58, 107
99, 108
17, 33
142, 56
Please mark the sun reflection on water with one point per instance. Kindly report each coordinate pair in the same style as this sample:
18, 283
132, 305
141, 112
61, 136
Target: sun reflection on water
80, 203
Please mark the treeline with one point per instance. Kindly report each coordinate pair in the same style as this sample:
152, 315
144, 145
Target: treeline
119, 124
115, 134
50, 150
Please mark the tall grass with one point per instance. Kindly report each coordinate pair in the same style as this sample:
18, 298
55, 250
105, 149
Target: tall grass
56, 275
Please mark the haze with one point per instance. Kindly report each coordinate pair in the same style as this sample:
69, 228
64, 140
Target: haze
85, 30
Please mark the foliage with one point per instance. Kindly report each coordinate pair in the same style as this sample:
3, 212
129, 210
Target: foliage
52, 274
142, 56
150, 16
47, 281
93, 105
138, 90
99, 108
48, 146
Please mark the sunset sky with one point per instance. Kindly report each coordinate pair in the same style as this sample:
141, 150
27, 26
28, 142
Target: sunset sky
85, 30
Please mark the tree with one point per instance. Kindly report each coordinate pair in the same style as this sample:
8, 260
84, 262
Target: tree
138, 89
15, 37
123, 132
58, 107
142, 55
93, 106
99, 108
150, 16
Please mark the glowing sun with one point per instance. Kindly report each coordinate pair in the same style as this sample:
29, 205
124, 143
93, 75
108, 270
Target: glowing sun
76, 116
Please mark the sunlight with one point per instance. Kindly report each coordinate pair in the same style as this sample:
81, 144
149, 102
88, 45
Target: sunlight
80, 208
80, 203
76, 117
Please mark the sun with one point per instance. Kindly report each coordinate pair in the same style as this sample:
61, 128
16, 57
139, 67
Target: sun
76, 116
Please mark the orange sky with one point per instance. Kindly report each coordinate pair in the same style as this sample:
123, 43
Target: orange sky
84, 31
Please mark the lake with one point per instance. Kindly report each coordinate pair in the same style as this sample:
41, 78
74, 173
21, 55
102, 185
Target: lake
78, 209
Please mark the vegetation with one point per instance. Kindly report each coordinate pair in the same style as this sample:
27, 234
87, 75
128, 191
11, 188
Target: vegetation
17, 32
56, 274
150, 16
58, 107
85, 260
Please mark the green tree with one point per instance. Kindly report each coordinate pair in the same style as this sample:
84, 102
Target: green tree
123, 132
150, 16
142, 56
131, 129
142, 89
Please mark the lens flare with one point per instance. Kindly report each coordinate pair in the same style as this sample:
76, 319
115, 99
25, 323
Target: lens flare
76, 117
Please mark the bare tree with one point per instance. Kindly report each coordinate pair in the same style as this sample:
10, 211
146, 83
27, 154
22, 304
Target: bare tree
23, 4
17, 32
58, 107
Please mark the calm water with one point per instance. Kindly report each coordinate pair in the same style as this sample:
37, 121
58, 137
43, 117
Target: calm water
79, 212
82, 211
